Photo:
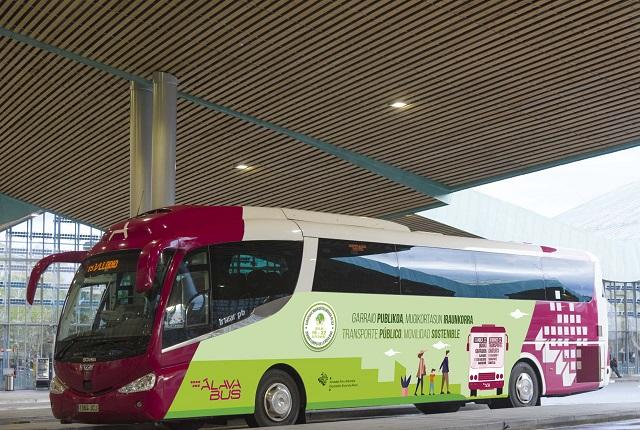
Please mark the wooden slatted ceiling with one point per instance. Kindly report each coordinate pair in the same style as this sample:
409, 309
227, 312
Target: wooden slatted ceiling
419, 223
494, 87
64, 143
212, 144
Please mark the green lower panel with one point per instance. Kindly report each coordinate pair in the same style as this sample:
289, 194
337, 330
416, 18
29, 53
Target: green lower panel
195, 413
359, 350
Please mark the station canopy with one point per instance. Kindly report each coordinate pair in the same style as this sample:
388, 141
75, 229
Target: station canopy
494, 89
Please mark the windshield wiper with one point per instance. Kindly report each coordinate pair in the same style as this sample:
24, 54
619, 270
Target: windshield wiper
104, 347
85, 335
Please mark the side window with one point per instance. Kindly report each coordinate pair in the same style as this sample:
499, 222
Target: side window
508, 276
356, 267
187, 311
428, 271
250, 274
568, 280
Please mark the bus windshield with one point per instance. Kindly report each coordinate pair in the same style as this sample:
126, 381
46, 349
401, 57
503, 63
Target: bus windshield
104, 317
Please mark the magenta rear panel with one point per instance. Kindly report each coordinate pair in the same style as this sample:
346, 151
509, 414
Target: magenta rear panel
566, 334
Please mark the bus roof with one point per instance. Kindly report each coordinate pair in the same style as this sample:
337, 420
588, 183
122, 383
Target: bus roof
235, 223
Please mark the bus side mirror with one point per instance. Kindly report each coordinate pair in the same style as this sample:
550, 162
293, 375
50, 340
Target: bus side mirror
468, 338
41, 266
507, 341
148, 264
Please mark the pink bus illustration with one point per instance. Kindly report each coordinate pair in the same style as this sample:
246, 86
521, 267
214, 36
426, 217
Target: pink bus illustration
486, 345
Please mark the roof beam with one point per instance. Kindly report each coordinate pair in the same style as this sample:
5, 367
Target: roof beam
13, 211
403, 177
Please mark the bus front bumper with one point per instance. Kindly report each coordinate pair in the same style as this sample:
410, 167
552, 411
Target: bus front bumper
108, 408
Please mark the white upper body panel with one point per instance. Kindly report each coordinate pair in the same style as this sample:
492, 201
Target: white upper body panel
279, 224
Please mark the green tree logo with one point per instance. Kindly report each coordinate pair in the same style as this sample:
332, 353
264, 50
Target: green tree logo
320, 318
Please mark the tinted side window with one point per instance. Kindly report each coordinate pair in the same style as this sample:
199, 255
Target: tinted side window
356, 267
569, 280
250, 274
428, 271
187, 310
507, 276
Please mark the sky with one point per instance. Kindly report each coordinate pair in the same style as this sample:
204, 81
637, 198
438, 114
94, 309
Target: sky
553, 191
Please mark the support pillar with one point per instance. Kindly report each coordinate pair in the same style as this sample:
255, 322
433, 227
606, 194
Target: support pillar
140, 121
163, 160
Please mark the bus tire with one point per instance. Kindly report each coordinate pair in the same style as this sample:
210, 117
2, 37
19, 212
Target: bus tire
437, 408
277, 400
524, 389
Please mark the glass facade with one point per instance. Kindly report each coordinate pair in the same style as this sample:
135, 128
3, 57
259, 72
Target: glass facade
624, 312
27, 332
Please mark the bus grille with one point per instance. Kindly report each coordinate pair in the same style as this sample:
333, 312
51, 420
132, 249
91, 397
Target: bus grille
486, 376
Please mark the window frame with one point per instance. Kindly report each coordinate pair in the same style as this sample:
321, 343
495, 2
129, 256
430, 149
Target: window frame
330, 242
177, 272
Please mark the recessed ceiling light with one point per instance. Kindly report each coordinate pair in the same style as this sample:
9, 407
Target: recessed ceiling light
399, 105
242, 167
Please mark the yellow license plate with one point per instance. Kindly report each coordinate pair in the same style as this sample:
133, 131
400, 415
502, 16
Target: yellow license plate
88, 407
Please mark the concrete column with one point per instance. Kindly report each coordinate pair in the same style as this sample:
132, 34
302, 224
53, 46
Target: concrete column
140, 118
163, 159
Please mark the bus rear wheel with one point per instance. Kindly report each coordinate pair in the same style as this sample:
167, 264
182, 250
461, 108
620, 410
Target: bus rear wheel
437, 408
277, 400
524, 389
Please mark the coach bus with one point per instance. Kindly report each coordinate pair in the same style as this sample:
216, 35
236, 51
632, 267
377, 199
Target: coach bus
188, 313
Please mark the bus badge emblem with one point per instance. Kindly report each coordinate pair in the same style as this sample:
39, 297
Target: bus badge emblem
319, 326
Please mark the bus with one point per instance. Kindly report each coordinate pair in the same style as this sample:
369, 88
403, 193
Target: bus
487, 345
186, 314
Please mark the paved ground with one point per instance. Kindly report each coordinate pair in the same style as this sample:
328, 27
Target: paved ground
28, 410
619, 425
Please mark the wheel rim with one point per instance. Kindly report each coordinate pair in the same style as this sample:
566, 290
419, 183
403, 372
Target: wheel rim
277, 402
524, 388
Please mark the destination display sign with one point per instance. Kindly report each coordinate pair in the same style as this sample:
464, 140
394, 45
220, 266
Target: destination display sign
103, 266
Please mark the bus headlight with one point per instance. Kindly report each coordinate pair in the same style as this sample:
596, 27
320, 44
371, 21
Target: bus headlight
56, 386
141, 384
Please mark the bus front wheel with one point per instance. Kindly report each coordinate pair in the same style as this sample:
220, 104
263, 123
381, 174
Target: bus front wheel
524, 389
277, 400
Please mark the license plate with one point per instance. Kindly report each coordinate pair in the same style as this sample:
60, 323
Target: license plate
88, 407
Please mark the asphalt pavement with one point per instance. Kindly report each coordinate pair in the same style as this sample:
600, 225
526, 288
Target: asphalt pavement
619, 425
614, 407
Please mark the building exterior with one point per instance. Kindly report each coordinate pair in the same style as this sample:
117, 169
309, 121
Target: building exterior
624, 312
27, 332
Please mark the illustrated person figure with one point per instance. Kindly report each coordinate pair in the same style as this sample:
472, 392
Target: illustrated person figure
614, 366
422, 370
432, 382
444, 368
